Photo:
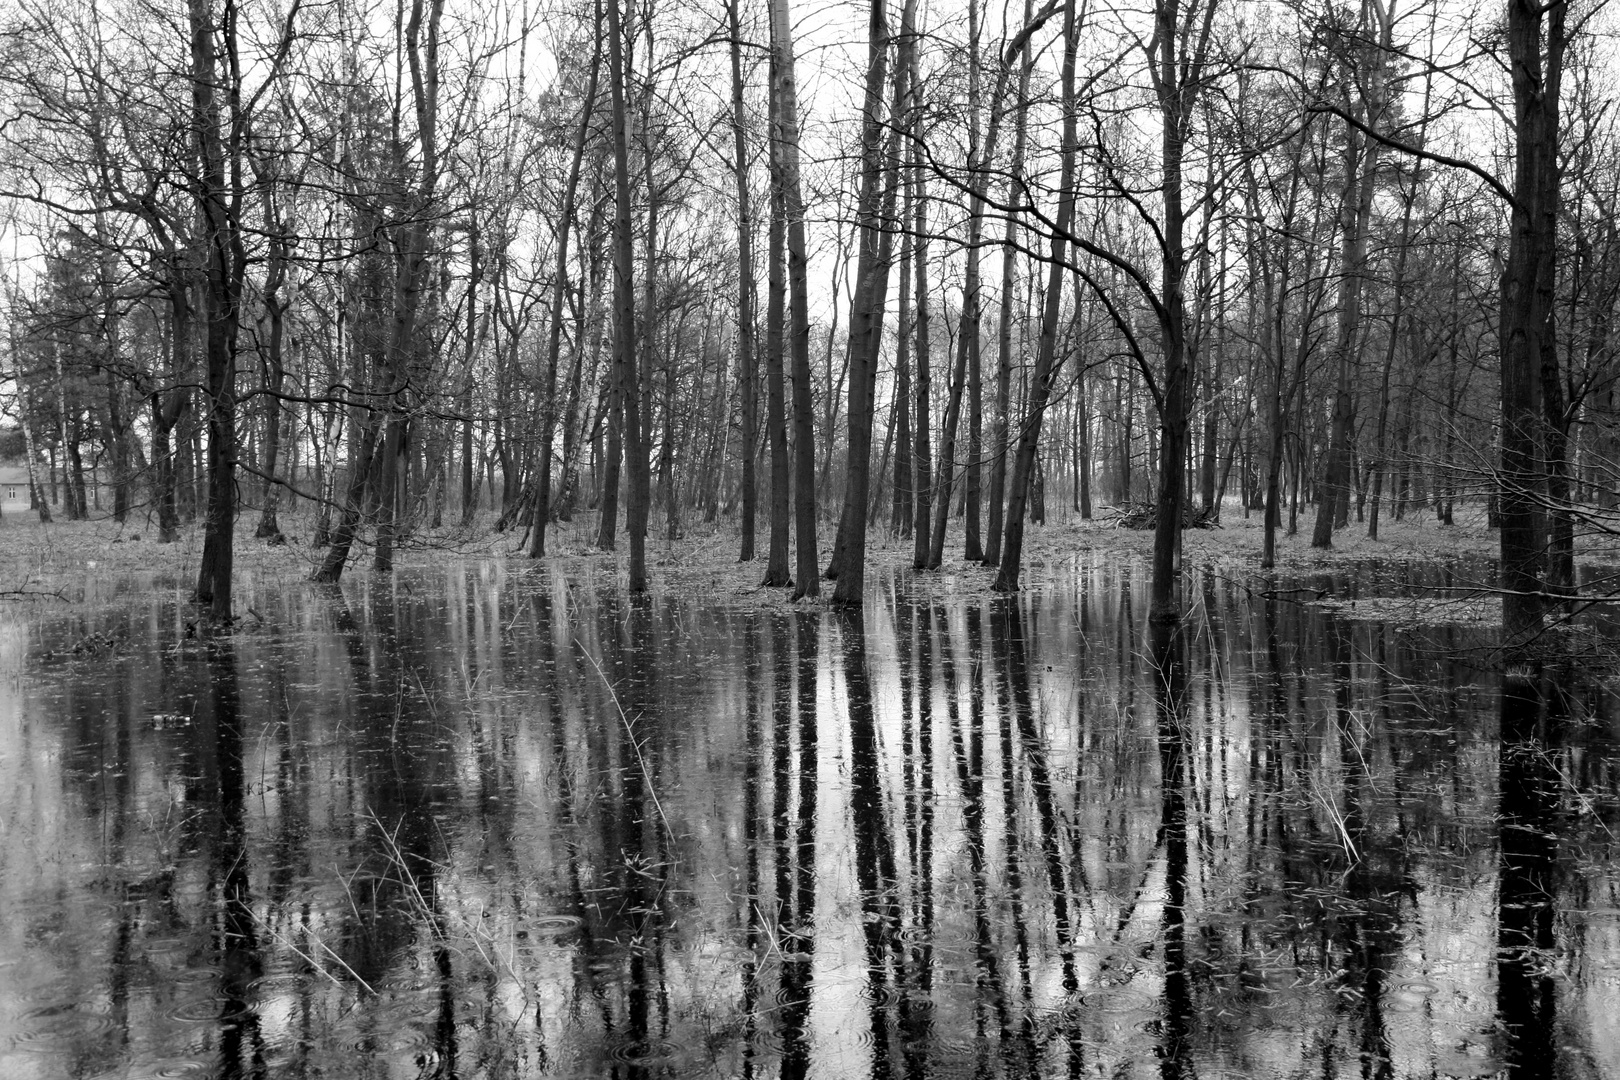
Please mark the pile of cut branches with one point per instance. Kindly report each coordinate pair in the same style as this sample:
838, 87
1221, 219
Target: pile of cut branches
1145, 515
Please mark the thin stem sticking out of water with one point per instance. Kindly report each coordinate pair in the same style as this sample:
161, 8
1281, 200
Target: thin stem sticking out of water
316, 964
432, 913
1335, 816
1584, 801
630, 733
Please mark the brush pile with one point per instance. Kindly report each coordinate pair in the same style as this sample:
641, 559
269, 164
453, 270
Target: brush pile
1145, 515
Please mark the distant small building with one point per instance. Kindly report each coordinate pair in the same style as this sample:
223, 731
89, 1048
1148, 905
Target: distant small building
13, 488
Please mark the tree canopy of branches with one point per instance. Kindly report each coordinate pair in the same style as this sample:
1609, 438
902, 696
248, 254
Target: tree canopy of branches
370, 264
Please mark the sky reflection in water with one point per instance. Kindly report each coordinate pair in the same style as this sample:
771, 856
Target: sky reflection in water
481, 823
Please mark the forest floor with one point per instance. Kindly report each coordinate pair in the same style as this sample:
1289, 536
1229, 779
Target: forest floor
53, 560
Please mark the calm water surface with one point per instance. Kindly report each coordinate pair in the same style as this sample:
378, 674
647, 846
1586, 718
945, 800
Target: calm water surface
489, 822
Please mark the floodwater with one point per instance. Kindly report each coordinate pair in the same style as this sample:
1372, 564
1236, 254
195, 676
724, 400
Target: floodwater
487, 821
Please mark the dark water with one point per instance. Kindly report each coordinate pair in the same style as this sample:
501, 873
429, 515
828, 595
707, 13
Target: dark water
485, 822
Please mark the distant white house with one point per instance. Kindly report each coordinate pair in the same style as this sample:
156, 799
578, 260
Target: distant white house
13, 489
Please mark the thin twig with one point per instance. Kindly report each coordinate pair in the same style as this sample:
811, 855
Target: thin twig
646, 774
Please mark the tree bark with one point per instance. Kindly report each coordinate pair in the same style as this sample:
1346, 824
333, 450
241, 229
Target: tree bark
879, 189
1536, 43
217, 193
922, 545
624, 302
747, 361
785, 92
777, 574
1002, 432
1355, 219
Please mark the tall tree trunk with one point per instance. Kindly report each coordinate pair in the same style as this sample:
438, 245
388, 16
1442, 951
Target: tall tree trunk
410, 259
1398, 291
475, 276
1009, 253
275, 309
650, 323
922, 544
777, 574
1536, 43
968, 328
904, 505
1355, 219
785, 92
1181, 53
747, 361
879, 190
1082, 446
1046, 364
624, 302
224, 261
559, 296
613, 455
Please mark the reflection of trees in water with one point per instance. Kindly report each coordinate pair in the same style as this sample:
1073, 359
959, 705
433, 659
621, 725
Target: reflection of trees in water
241, 1047
1529, 886
875, 868
1169, 692
794, 833
1038, 852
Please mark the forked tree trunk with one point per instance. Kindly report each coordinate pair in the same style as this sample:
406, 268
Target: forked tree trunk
879, 190
785, 92
1040, 386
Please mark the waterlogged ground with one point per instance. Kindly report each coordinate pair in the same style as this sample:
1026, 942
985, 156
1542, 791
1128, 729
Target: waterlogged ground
484, 821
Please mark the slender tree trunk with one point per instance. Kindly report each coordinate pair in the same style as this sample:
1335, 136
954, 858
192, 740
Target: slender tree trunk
1082, 446
777, 574
786, 93
1355, 217
968, 332
275, 309
904, 507
879, 190
475, 274
1009, 252
613, 456
922, 545
559, 296
342, 539
1046, 363
834, 385
624, 303
747, 362
1398, 291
